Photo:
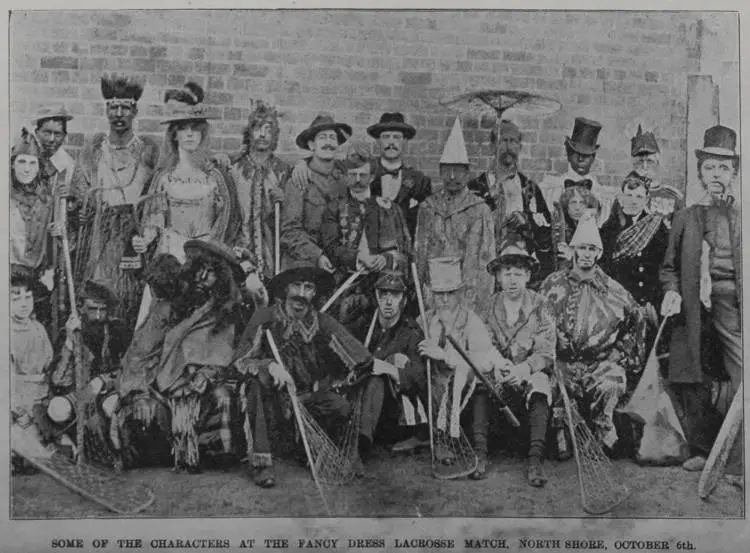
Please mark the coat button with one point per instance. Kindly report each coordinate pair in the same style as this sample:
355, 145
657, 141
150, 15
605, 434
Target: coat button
640, 269
640, 285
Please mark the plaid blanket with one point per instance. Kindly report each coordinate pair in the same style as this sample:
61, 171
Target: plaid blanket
636, 237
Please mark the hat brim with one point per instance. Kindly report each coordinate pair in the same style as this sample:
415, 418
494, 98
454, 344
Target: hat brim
378, 128
199, 246
343, 133
716, 152
451, 288
644, 151
187, 118
583, 149
512, 259
323, 280
38, 120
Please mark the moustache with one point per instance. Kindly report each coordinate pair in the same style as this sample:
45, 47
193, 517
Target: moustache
508, 158
301, 299
332, 148
391, 147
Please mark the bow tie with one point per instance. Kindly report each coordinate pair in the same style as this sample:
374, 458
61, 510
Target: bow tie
585, 183
394, 172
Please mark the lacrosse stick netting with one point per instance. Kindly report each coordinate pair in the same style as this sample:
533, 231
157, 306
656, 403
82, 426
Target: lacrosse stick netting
601, 489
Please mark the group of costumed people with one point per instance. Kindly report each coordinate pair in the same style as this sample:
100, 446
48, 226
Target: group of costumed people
172, 297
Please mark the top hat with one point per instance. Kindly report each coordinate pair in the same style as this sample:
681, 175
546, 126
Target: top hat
52, 111
587, 233
643, 143
513, 252
583, 138
301, 271
99, 290
392, 122
454, 152
391, 280
719, 141
196, 247
323, 122
445, 274
185, 104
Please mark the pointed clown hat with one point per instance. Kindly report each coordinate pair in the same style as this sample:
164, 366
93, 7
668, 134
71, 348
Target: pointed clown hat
587, 233
454, 152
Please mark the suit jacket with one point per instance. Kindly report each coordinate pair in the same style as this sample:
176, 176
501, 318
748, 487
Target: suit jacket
681, 273
415, 186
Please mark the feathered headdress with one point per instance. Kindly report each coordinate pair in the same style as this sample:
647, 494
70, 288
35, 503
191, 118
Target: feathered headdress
185, 104
122, 87
26, 145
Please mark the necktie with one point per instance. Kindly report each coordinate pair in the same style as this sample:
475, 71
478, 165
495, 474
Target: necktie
394, 173
585, 183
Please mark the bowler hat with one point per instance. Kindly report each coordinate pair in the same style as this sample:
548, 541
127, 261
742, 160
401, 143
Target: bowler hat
719, 141
53, 111
392, 122
217, 250
323, 122
513, 252
583, 138
301, 272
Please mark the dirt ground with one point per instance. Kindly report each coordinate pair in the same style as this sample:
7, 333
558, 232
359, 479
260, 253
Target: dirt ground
393, 487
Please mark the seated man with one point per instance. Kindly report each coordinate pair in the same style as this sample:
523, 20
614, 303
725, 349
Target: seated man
453, 381
143, 416
394, 341
194, 374
600, 336
523, 331
101, 347
317, 353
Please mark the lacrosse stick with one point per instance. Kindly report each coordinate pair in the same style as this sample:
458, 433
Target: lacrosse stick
103, 487
276, 238
512, 419
344, 286
717, 459
80, 371
455, 455
423, 316
601, 489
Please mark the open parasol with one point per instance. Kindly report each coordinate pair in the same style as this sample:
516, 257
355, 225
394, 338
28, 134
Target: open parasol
496, 102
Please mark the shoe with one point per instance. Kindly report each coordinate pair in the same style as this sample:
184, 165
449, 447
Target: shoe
480, 473
694, 464
265, 477
410, 444
535, 473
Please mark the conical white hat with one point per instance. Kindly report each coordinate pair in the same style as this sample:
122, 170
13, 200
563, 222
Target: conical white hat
455, 148
587, 233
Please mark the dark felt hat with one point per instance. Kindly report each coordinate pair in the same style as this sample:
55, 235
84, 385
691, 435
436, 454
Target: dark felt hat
392, 122
304, 272
217, 250
513, 252
719, 141
323, 122
99, 290
584, 136
643, 143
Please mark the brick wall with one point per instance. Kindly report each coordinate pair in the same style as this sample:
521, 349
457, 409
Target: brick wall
618, 68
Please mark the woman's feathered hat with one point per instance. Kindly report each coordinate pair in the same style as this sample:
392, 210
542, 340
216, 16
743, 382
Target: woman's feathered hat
26, 145
185, 104
122, 89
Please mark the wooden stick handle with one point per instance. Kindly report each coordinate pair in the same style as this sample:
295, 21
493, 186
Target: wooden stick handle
277, 238
483, 378
371, 330
346, 284
423, 316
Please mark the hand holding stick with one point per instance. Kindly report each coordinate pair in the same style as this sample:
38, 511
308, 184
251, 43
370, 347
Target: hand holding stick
483, 378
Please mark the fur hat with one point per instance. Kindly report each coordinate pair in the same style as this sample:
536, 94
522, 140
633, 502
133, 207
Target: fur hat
121, 87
